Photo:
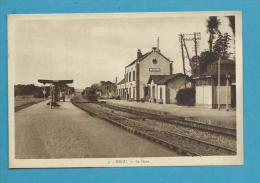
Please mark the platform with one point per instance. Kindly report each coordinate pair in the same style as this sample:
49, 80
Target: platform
68, 132
199, 113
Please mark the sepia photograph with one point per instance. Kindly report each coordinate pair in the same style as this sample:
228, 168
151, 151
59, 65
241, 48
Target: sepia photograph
125, 89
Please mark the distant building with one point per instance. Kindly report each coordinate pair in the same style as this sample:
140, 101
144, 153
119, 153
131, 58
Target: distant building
164, 88
137, 73
121, 91
106, 89
103, 89
78, 91
206, 85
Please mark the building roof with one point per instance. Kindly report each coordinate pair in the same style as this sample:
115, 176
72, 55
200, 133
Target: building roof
106, 82
226, 66
145, 55
164, 79
222, 72
78, 90
121, 82
226, 61
168, 78
156, 78
140, 59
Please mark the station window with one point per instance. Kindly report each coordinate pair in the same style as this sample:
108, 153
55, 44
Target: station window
129, 76
129, 92
133, 75
154, 61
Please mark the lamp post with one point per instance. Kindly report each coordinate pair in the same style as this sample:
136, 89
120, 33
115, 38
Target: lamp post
44, 92
52, 96
219, 84
227, 90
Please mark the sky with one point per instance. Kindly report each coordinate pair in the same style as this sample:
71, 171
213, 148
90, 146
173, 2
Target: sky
90, 50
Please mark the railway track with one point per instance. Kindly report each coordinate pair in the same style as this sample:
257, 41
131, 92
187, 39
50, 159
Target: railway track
163, 117
23, 106
181, 143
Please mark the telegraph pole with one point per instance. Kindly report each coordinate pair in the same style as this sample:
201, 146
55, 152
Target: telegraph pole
183, 61
194, 37
188, 55
227, 91
44, 92
116, 91
158, 42
182, 52
219, 83
196, 53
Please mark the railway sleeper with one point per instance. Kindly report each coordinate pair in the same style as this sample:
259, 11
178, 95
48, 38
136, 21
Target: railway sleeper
138, 132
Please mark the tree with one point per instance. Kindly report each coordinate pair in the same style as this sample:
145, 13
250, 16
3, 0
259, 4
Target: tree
31, 89
186, 96
194, 64
212, 28
204, 59
95, 86
91, 93
221, 45
232, 24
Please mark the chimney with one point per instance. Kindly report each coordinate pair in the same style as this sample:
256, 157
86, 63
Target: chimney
171, 69
158, 43
154, 48
139, 53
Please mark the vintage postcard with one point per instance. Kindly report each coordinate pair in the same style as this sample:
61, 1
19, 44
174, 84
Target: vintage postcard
125, 89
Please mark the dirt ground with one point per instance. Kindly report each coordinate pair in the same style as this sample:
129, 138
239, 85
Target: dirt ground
21, 100
68, 132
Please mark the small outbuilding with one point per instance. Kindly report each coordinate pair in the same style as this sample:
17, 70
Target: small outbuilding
207, 85
163, 88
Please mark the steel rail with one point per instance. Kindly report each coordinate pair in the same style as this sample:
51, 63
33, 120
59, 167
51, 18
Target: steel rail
174, 119
116, 121
131, 126
23, 106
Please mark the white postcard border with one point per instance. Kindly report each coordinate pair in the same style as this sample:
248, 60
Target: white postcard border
126, 162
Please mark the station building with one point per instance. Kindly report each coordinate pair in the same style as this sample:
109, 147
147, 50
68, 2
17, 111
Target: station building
106, 89
163, 88
138, 83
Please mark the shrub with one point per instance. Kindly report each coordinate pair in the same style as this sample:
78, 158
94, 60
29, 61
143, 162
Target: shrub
38, 94
186, 96
91, 98
91, 95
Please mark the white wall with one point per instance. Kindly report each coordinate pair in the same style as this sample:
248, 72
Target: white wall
147, 63
208, 95
223, 94
153, 92
132, 83
163, 87
174, 86
204, 95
